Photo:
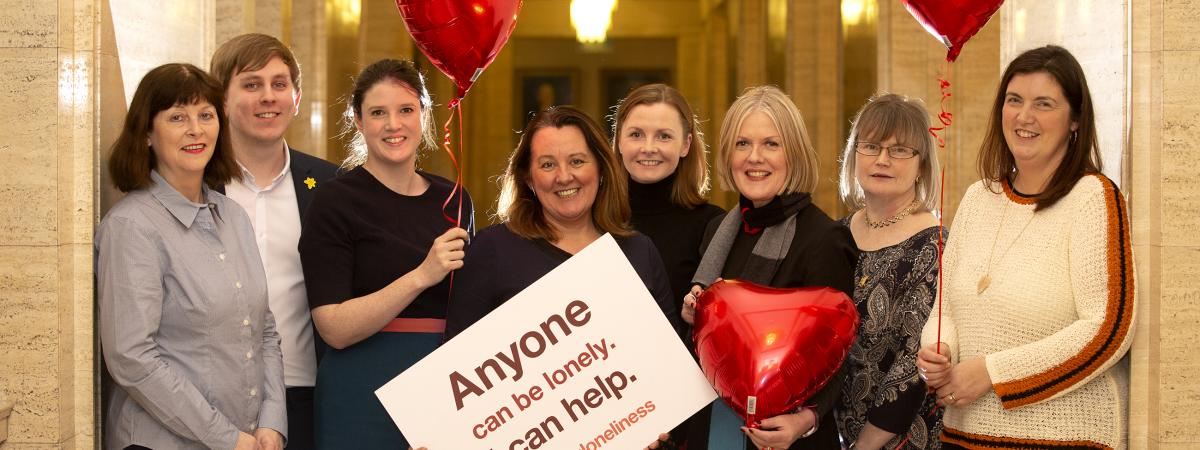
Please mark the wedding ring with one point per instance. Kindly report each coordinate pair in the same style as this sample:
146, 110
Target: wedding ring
951, 396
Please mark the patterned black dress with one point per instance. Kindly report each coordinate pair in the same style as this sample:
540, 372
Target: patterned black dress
894, 289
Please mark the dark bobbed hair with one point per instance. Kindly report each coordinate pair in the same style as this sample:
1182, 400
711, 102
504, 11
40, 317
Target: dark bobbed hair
519, 207
131, 158
385, 70
691, 176
996, 162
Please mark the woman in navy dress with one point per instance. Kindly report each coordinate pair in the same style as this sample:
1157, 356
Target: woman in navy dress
376, 248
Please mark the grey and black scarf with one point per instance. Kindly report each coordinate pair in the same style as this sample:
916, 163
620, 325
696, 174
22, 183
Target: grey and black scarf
777, 223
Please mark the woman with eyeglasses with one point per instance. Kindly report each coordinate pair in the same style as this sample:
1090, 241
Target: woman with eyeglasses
889, 177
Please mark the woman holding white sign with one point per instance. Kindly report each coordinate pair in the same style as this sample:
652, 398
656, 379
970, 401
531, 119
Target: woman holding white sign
560, 193
776, 237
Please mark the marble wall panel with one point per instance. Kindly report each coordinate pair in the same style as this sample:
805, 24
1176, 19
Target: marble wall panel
28, 24
1179, 377
1096, 34
1182, 18
182, 31
28, 96
77, 148
1180, 141
29, 336
76, 363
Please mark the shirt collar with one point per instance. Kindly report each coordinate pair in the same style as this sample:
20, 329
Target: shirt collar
184, 210
248, 178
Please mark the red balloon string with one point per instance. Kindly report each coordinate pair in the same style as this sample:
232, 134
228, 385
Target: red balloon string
945, 117
941, 248
455, 105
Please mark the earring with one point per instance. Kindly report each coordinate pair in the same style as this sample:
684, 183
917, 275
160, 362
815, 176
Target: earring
1074, 136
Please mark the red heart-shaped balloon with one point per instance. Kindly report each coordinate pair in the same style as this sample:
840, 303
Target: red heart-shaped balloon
768, 350
952, 22
460, 37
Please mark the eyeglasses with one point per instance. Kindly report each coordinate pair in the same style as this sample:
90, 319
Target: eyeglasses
894, 152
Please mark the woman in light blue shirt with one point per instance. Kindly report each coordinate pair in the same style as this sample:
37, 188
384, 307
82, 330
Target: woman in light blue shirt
184, 323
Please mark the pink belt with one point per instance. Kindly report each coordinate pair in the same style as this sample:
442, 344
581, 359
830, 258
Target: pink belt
405, 325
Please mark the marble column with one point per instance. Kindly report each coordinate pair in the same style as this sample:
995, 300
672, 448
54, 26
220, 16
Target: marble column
1163, 177
50, 59
814, 81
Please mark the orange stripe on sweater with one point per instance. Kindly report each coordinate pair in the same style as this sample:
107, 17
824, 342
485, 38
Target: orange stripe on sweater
1044, 385
980, 441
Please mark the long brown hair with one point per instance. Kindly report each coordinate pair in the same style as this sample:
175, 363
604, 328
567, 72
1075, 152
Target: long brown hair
165, 86
691, 179
996, 162
519, 206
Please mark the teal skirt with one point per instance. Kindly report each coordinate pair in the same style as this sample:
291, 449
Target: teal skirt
348, 414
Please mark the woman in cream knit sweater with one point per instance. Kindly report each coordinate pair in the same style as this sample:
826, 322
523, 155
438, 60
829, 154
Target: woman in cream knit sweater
1038, 289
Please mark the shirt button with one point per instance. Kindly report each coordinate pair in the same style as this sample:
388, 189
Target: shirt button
237, 284
245, 322
253, 392
221, 256
249, 355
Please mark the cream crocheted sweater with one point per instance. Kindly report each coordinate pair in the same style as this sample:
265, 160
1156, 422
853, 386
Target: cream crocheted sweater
1054, 323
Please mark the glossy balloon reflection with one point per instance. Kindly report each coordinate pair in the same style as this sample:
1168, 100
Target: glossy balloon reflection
767, 350
460, 37
952, 22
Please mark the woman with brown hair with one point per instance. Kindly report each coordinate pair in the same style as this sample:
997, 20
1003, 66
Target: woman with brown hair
376, 249
1038, 292
662, 153
775, 237
561, 192
184, 324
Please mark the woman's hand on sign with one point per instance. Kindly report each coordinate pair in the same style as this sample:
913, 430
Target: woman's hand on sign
662, 439
689, 305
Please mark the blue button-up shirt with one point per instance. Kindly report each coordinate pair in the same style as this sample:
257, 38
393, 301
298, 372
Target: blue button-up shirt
186, 331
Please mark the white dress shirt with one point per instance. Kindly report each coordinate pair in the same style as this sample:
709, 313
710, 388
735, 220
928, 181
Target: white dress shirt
276, 220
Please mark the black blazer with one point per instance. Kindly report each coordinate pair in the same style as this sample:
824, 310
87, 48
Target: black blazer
303, 168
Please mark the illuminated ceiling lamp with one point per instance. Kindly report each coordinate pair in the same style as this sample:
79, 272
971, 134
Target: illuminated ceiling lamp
592, 19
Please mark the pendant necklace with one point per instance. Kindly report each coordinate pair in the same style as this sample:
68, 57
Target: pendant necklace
986, 279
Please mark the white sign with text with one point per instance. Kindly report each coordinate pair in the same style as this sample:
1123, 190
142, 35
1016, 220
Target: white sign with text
581, 359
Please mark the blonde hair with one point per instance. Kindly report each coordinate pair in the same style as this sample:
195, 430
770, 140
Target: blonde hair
886, 116
802, 161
